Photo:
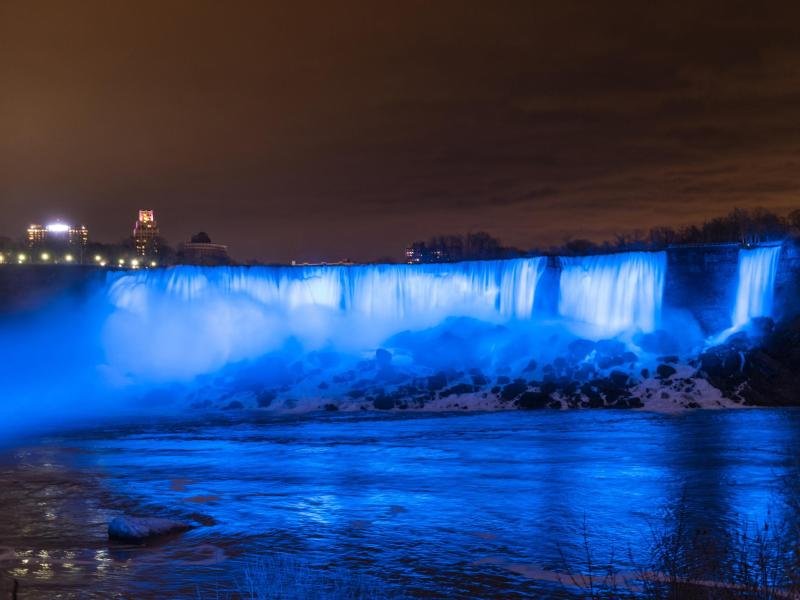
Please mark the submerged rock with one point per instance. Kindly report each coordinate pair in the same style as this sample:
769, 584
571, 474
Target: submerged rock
140, 529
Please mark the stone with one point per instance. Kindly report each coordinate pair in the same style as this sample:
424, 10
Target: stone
579, 349
534, 400
512, 390
383, 357
458, 389
437, 382
630, 357
383, 402
618, 378
530, 367
665, 371
479, 378
140, 529
264, 399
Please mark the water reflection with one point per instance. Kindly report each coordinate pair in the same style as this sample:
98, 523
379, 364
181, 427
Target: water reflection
468, 505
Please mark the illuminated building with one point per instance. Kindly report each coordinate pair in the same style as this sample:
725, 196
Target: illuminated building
200, 251
146, 234
417, 253
58, 233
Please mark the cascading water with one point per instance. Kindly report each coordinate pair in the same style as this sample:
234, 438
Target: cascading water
755, 289
194, 320
613, 293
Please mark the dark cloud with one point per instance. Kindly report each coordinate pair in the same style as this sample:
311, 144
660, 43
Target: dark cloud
308, 130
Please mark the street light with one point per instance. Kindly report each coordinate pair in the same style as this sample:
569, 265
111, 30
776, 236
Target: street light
68, 258
21, 258
98, 258
45, 256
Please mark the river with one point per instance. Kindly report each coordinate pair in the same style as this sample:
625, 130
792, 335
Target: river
374, 505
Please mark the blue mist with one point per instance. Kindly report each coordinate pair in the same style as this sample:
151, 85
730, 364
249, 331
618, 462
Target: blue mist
177, 323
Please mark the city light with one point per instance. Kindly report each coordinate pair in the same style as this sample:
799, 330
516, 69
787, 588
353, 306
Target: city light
58, 228
68, 258
45, 256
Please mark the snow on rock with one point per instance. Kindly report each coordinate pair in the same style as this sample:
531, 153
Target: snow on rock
139, 529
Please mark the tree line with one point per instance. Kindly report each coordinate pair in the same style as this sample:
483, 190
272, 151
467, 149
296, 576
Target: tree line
740, 226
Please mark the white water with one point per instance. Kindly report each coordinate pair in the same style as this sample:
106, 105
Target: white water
193, 319
613, 293
755, 290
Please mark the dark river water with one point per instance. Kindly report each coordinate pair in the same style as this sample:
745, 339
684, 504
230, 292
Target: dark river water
369, 505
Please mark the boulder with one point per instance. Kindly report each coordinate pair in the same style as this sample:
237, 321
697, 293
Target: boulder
513, 389
618, 378
479, 378
383, 357
437, 382
383, 402
264, 399
664, 371
458, 389
140, 529
534, 400
579, 349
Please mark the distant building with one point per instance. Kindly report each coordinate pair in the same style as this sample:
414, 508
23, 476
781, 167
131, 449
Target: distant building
146, 234
336, 263
201, 251
417, 253
57, 233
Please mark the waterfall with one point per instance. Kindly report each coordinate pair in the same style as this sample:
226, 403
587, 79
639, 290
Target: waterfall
196, 319
755, 289
613, 293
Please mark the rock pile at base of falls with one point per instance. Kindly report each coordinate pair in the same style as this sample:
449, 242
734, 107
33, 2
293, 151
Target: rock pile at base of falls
759, 366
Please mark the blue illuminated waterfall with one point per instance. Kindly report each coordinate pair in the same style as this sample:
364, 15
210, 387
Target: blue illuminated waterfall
755, 288
193, 319
613, 293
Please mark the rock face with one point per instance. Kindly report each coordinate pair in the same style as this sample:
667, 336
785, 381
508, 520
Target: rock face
139, 529
773, 368
760, 366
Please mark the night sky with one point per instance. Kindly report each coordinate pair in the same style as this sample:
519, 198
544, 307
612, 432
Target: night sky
340, 129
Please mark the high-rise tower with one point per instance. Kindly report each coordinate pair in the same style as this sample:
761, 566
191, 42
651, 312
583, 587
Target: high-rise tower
145, 234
